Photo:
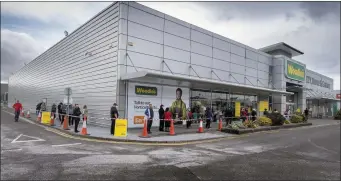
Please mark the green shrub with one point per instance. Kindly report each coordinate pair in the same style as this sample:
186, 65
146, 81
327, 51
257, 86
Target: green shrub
236, 125
276, 118
296, 119
250, 124
264, 121
287, 122
301, 115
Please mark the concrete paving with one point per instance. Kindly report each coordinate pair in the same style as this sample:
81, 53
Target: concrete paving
182, 133
307, 153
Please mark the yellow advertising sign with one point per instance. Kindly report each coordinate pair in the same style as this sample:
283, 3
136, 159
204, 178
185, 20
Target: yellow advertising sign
237, 109
46, 117
121, 126
263, 105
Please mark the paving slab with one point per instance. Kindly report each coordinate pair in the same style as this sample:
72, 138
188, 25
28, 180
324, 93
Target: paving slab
182, 134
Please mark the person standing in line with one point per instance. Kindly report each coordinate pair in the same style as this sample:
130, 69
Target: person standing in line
70, 113
190, 117
43, 107
17, 108
85, 112
208, 118
253, 115
76, 113
64, 111
168, 117
228, 116
38, 108
306, 114
113, 115
195, 114
161, 118
265, 112
150, 116
60, 112
54, 110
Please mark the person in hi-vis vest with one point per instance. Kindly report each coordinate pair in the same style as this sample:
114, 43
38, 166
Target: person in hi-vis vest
178, 108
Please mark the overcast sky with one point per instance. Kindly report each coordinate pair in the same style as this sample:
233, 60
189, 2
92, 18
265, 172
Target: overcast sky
29, 28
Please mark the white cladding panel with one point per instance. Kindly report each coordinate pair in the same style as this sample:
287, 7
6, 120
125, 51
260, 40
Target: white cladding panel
92, 77
318, 82
185, 45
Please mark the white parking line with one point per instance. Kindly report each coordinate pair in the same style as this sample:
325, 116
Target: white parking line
19, 149
66, 145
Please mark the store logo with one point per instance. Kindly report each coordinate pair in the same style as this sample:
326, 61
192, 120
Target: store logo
142, 90
338, 96
138, 119
295, 71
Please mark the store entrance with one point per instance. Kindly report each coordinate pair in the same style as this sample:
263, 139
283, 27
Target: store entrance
220, 101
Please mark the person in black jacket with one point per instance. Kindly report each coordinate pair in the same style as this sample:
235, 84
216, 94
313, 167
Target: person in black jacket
161, 117
38, 108
113, 115
228, 116
54, 110
60, 112
254, 115
76, 113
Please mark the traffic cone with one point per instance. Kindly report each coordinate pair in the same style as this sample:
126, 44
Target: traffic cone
220, 125
201, 129
145, 132
84, 130
66, 123
28, 114
52, 120
39, 117
171, 129
22, 113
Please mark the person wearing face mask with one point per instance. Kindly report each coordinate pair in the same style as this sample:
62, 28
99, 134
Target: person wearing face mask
113, 116
178, 108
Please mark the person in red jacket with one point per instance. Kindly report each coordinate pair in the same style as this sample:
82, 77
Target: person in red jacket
168, 117
17, 108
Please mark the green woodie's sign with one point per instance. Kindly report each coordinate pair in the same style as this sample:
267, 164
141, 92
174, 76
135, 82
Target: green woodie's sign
143, 90
294, 71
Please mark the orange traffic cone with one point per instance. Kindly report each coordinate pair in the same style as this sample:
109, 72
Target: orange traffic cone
220, 125
145, 132
52, 120
28, 114
84, 130
66, 123
22, 113
201, 129
171, 129
39, 117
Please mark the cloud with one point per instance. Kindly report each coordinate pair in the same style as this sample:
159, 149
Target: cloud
16, 49
66, 14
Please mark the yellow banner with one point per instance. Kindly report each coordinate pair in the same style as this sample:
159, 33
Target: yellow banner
46, 117
237, 109
263, 105
121, 126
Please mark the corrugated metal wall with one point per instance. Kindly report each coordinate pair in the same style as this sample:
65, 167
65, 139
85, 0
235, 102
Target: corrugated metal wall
86, 61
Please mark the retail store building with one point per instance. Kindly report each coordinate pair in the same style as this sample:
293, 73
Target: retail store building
134, 55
